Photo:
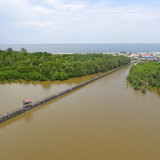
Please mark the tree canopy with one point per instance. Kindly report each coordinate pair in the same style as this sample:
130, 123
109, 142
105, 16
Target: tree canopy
145, 76
44, 66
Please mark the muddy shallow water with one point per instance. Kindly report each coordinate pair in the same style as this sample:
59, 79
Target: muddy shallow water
105, 120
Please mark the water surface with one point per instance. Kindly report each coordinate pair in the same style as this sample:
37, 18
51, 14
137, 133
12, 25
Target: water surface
105, 120
85, 48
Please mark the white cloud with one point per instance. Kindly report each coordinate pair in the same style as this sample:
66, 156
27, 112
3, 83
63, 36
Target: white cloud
78, 18
36, 24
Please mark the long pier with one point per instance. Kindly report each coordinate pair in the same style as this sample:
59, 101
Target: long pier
9, 115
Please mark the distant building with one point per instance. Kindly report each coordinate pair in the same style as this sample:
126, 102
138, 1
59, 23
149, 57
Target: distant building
148, 57
113, 54
156, 54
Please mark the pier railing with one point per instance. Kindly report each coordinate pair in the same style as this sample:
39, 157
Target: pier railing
9, 115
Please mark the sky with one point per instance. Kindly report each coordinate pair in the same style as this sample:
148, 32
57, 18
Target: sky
79, 21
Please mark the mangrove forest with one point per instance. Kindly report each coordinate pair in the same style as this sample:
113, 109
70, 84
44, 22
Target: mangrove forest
145, 76
21, 65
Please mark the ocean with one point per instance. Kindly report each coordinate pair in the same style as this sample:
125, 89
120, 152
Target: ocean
85, 48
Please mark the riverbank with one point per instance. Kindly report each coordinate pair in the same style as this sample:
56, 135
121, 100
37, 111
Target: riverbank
103, 120
145, 76
19, 111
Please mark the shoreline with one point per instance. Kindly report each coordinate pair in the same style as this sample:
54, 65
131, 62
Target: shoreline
9, 115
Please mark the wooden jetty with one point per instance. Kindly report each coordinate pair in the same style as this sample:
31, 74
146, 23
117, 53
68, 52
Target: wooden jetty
9, 115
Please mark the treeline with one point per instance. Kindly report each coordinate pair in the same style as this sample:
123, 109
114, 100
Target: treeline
20, 65
145, 76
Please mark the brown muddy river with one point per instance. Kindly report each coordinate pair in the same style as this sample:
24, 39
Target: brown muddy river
105, 120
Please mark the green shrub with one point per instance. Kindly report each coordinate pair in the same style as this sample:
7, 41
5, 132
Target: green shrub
145, 76
44, 66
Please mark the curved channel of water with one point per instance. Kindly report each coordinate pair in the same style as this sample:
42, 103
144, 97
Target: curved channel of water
104, 120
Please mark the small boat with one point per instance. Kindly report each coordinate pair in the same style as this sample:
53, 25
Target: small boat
28, 101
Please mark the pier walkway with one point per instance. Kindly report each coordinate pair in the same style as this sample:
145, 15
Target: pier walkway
9, 115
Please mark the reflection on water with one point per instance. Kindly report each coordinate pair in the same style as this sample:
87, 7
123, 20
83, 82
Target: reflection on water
12, 94
28, 117
104, 120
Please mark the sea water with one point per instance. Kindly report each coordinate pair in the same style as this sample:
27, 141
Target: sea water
85, 48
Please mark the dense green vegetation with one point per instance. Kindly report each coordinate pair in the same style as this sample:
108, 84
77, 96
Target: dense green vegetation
44, 66
145, 76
